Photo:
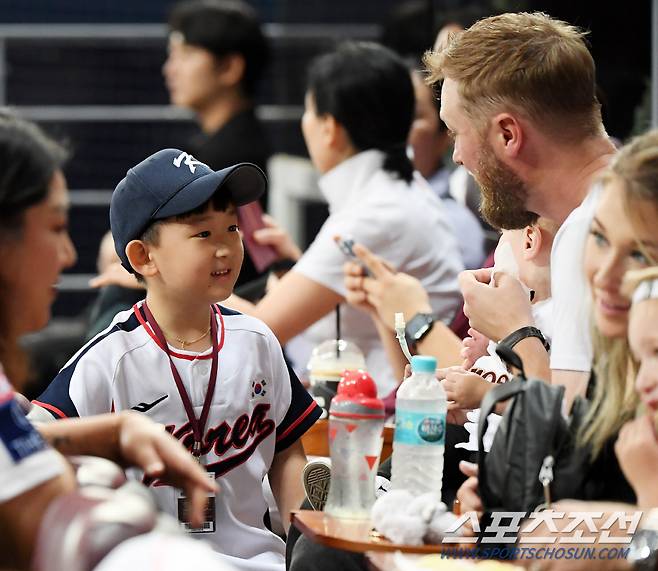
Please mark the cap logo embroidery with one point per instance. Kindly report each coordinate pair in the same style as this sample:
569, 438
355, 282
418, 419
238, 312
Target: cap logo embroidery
190, 161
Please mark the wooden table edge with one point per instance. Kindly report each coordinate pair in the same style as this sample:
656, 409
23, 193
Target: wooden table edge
345, 544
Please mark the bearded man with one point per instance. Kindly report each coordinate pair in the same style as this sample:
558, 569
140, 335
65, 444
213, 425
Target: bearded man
518, 95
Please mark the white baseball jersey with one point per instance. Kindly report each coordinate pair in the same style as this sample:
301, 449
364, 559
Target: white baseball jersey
259, 408
25, 459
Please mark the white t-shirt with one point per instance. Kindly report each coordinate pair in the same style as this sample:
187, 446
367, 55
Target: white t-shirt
259, 408
26, 461
404, 224
571, 349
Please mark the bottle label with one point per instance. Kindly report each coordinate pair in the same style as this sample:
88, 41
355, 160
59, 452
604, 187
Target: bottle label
420, 428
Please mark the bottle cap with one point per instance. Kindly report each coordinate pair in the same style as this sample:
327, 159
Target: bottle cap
357, 397
423, 364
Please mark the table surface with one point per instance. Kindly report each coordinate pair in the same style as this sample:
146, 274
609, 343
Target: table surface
316, 440
350, 535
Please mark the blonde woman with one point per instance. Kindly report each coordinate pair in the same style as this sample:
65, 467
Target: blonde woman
623, 237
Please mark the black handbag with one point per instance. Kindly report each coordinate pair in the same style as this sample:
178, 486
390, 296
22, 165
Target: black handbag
534, 458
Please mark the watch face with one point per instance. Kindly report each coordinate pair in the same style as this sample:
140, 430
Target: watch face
420, 325
421, 331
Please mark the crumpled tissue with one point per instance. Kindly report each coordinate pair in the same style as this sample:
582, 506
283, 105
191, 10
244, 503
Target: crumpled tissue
412, 520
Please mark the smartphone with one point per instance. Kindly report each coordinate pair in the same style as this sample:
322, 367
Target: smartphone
251, 219
346, 245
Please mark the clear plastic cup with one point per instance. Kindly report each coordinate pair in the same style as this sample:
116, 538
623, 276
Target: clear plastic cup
327, 363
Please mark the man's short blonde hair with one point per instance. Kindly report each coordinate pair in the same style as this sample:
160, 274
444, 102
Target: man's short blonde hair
528, 63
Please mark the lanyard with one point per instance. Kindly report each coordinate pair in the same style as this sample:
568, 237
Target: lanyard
198, 424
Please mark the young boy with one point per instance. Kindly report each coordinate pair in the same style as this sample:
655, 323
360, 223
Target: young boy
215, 378
524, 254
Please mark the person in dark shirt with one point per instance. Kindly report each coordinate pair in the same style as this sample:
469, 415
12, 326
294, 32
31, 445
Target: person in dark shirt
217, 54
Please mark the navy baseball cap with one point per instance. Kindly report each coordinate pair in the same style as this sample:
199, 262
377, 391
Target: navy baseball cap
169, 183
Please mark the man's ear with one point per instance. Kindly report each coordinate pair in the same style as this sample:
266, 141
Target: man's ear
140, 258
506, 134
230, 69
532, 241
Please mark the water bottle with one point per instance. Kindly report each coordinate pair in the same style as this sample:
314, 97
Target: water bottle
420, 426
356, 424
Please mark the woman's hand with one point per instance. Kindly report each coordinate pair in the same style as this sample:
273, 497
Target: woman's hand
148, 446
473, 347
278, 238
354, 276
637, 452
385, 291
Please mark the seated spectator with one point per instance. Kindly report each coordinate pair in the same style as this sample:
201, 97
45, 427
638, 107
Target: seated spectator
637, 445
511, 129
175, 226
359, 108
636, 450
525, 255
35, 248
113, 297
217, 55
429, 141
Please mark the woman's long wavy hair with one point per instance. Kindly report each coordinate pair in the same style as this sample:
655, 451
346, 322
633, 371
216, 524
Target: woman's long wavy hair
28, 161
615, 400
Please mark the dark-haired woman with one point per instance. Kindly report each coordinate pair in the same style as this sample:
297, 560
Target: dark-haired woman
358, 111
34, 248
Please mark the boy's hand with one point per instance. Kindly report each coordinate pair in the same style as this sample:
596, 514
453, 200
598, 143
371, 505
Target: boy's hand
443, 373
466, 390
275, 236
145, 444
495, 311
473, 347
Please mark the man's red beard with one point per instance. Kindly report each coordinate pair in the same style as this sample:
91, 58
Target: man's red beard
504, 194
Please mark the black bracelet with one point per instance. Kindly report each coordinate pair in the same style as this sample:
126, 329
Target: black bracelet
523, 333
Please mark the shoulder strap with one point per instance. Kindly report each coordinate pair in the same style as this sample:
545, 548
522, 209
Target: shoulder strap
500, 393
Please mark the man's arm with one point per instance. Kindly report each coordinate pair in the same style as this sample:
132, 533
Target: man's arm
286, 480
534, 357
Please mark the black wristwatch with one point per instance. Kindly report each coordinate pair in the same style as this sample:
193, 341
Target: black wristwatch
419, 326
523, 333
